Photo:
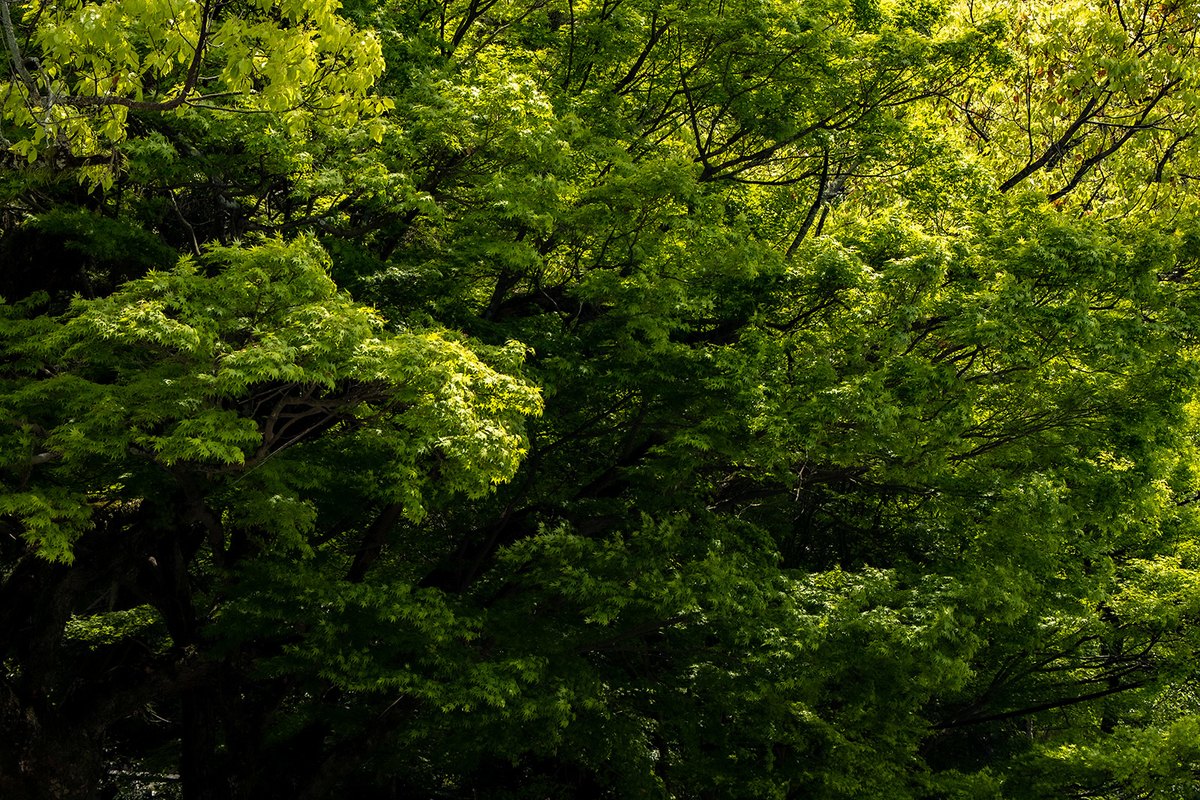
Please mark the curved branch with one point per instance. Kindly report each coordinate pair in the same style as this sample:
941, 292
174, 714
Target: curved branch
1130, 130
14, 52
1062, 145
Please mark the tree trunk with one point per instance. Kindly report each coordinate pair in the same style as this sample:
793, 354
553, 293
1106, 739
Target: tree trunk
41, 758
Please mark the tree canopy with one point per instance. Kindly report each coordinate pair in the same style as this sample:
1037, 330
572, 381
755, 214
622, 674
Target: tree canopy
599, 399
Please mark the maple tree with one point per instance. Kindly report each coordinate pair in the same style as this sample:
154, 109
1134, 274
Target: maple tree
509, 398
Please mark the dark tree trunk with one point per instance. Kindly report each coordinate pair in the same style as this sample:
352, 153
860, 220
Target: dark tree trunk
201, 769
41, 756
55, 707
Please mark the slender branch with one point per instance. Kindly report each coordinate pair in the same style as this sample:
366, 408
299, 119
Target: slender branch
1106, 152
1024, 712
655, 35
1089, 110
822, 184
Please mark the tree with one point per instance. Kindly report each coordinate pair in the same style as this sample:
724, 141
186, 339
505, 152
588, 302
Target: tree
734, 399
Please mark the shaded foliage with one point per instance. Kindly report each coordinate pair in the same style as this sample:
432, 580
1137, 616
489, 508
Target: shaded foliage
598, 399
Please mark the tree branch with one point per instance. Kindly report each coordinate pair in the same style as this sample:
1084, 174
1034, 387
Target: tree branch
1024, 712
193, 74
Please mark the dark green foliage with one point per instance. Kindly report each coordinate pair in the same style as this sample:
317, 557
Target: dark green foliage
659, 400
